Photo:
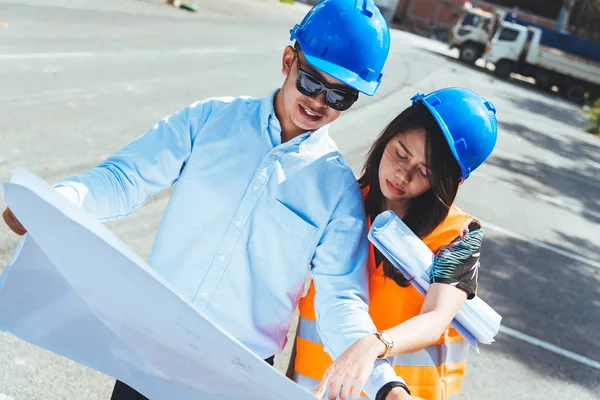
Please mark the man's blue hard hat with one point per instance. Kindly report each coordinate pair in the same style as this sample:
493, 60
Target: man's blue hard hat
346, 39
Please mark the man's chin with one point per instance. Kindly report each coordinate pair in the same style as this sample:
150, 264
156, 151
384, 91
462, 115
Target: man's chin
306, 126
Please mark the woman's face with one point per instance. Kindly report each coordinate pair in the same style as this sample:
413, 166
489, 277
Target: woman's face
403, 170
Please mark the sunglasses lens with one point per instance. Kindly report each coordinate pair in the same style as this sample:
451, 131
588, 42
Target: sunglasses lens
339, 100
308, 86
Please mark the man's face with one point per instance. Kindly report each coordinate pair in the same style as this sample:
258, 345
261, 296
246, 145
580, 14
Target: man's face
305, 112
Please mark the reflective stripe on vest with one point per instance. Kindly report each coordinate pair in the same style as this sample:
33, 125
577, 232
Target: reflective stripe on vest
432, 356
434, 373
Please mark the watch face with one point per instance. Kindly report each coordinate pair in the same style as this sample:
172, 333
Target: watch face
387, 338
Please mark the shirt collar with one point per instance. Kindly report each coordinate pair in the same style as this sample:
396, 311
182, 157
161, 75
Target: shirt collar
267, 116
267, 110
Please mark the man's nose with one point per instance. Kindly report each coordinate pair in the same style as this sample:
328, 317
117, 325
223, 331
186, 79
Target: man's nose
320, 100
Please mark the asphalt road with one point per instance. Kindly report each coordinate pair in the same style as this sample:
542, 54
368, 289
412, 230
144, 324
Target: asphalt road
79, 79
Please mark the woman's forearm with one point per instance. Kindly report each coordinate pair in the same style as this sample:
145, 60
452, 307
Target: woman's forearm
441, 304
417, 333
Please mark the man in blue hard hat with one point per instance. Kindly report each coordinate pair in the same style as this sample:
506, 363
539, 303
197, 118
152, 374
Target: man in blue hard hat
262, 195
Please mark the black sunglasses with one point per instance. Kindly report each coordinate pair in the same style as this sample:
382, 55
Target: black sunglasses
310, 86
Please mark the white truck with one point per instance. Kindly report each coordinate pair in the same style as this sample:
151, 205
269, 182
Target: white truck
547, 56
471, 33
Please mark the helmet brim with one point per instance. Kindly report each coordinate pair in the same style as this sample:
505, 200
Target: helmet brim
343, 75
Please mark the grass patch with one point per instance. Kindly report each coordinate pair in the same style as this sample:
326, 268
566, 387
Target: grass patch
594, 113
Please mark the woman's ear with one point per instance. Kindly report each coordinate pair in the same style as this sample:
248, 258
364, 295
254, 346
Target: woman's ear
287, 60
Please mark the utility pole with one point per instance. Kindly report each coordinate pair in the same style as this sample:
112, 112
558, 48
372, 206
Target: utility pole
565, 12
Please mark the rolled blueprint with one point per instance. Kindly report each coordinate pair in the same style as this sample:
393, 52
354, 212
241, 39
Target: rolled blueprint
476, 321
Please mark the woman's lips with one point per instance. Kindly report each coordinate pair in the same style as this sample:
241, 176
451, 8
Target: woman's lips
394, 189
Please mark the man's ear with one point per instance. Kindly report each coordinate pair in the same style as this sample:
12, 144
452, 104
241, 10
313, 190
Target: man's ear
287, 60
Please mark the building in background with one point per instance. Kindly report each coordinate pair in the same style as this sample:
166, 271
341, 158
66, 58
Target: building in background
435, 18
388, 7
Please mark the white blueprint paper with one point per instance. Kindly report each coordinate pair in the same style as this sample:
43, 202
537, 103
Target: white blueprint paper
72, 287
476, 321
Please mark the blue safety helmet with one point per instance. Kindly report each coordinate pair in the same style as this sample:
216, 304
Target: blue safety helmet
468, 122
348, 40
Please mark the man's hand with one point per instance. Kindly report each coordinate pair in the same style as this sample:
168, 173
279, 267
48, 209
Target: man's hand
13, 223
399, 393
348, 374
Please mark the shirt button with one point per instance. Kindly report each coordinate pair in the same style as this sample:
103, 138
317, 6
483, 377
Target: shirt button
274, 153
204, 294
238, 223
222, 258
255, 187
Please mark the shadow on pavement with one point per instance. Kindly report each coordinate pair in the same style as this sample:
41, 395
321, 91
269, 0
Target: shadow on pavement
580, 184
536, 292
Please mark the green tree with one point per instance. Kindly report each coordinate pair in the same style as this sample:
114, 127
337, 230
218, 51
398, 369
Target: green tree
585, 18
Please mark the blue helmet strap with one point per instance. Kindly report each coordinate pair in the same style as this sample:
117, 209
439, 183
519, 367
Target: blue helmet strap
366, 7
369, 75
461, 146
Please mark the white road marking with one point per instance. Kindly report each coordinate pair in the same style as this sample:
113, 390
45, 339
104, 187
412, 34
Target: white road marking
139, 53
550, 347
25, 56
530, 339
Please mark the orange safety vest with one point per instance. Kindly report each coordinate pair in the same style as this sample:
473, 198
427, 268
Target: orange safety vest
433, 373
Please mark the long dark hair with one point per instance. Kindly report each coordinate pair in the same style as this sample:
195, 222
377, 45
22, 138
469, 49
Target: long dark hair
428, 210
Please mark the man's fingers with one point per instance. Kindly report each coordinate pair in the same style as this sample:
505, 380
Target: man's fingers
345, 392
321, 387
334, 389
17, 227
355, 392
13, 223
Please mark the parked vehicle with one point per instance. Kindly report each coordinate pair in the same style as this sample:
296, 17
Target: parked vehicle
552, 58
472, 32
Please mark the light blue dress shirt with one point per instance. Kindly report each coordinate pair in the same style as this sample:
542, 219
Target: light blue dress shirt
248, 217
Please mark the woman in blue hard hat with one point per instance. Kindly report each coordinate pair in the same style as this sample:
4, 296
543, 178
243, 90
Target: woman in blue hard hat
414, 168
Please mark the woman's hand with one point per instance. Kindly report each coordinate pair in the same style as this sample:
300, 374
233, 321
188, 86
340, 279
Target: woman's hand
349, 373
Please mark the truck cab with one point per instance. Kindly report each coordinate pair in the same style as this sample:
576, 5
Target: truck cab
471, 33
507, 47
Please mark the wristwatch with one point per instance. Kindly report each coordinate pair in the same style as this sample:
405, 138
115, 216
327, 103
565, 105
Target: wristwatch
387, 341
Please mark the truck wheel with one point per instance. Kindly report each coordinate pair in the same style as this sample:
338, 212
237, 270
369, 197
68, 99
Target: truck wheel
542, 81
576, 93
469, 53
503, 69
